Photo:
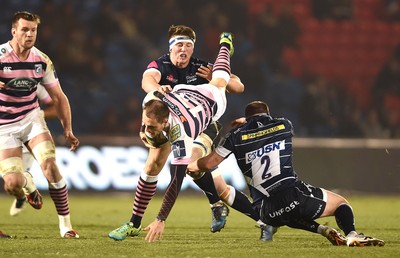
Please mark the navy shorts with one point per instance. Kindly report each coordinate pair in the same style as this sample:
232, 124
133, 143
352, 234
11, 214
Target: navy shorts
303, 201
213, 131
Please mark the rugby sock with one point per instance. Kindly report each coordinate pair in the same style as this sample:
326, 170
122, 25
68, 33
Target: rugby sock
308, 225
59, 194
242, 204
222, 68
206, 183
345, 218
146, 189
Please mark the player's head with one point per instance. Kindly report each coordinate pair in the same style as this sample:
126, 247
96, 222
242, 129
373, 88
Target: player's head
256, 107
181, 44
155, 117
24, 29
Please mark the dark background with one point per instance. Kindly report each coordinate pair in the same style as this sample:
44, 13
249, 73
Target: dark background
331, 67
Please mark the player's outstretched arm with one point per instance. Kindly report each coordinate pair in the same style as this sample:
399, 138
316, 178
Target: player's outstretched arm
156, 228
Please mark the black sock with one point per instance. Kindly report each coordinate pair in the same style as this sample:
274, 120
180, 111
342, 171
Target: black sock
206, 183
345, 218
243, 204
309, 225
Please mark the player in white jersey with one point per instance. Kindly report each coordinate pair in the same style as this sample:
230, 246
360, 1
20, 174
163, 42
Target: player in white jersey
182, 115
172, 120
49, 112
22, 67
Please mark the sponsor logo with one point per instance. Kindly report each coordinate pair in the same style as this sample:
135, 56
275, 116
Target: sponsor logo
170, 78
178, 149
262, 133
22, 84
190, 78
175, 133
286, 209
7, 69
88, 168
250, 156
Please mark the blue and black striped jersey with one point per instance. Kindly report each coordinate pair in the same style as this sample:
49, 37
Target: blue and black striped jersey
263, 150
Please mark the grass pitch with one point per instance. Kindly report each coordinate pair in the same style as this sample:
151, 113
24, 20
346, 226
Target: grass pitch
35, 233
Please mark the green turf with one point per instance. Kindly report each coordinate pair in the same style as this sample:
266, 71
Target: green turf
187, 231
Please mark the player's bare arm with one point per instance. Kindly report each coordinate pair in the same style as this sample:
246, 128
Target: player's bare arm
63, 108
206, 163
150, 81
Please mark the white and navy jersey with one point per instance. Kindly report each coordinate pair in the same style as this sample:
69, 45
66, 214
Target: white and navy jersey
172, 75
263, 150
21, 78
192, 109
43, 95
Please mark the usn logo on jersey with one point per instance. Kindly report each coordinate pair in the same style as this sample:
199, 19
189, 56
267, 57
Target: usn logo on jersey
276, 146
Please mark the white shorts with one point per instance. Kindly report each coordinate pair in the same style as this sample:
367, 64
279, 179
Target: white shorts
15, 134
211, 91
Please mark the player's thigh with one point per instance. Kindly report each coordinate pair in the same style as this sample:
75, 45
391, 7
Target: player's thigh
156, 159
332, 203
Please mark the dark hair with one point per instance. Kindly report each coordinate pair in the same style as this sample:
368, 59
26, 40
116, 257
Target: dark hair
156, 109
256, 107
181, 30
26, 16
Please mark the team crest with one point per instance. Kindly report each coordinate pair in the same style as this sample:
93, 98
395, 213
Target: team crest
38, 68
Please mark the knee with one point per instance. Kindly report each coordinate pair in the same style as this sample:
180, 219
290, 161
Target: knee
152, 169
13, 183
49, 168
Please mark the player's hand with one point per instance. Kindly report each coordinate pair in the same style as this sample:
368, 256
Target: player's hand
156, 230
73, 141
144, 140
165, 88
238, 121
205, 72
2, 85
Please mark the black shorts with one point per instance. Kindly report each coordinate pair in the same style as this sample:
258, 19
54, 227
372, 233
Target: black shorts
302, 201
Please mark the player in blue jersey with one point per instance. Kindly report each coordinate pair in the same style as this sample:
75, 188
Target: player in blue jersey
262, 146
180, 67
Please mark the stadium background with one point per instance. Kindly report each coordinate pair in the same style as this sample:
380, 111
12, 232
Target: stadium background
331, 66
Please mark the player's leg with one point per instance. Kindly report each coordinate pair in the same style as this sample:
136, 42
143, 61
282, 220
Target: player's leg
32, 193
43, 149
146, 188
222, 69
14, 181
339, 207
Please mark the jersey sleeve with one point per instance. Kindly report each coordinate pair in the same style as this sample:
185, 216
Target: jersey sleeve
43, 95
226, 146
50, 78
